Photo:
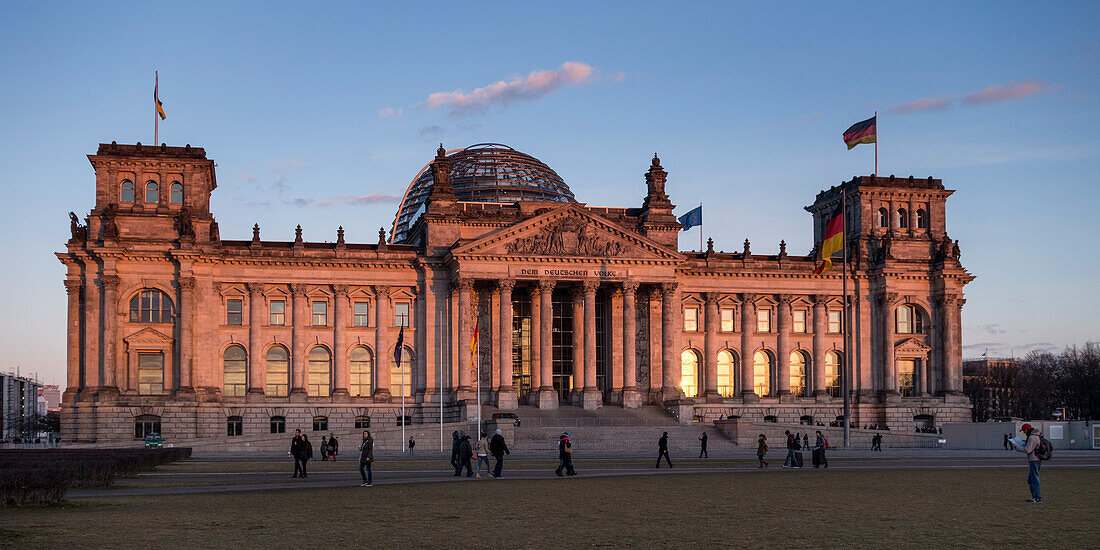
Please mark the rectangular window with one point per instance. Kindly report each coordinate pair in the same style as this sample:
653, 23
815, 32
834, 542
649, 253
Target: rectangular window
727, 319
763, 320
320, 423
234, 312
320, 314
150, 373
278, 313
401, 314
834, 321
278, 425
234, 426
907, 369
361, 311
691, 319
798, 321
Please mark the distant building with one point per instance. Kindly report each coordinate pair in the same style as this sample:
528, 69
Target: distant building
18, 405
989, 383
52, 394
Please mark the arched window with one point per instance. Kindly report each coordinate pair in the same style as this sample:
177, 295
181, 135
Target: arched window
883, 217
761, 373
152, 192
235, 369
127, 194
401, 375
150, 306
903, 218
689, 373
175, 195
726, 369
278, 372
832, 373
909, 320
924, 423
922, 219
234, 426
361, 364
798, 373
806, 420
146, 424
320, 372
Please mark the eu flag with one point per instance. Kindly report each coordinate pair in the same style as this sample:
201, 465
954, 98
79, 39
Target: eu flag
693, 218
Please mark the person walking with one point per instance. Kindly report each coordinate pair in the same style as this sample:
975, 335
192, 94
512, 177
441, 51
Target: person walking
792, 445
324, 448
306, 453
1006, 441
465, 453
703, 446
454, 450
819, 450
1031, 443
333, 447
483, 454
565, 455
806, 440
366, 459
662, 450
296, 452
412, 444
761, 450
498, 448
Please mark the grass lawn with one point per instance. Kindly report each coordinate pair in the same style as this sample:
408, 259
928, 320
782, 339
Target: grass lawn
957, 508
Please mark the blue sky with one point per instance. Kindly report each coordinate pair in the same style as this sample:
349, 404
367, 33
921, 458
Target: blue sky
744, 102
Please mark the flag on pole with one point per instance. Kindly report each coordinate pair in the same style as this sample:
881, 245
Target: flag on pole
693, 218
156, 98
473, 348
833, 241
862, 132
400, 343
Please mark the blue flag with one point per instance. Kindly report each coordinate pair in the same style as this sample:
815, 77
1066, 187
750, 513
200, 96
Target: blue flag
693, 218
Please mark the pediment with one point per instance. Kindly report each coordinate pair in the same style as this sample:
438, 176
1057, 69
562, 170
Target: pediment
911, 346
567, 231
148, 336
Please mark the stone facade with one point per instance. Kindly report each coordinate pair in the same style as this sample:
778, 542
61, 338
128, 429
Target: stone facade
574, 306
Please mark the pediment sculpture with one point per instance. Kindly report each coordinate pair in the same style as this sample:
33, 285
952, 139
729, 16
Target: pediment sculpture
570, 236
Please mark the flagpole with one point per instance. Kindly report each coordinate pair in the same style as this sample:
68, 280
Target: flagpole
844, 317
876, 144
439, 383
156, 115
700, 228
478, 374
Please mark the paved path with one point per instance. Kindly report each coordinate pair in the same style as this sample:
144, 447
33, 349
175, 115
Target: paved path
221, 482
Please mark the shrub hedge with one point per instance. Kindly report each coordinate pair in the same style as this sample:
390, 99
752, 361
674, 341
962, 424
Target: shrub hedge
37, 477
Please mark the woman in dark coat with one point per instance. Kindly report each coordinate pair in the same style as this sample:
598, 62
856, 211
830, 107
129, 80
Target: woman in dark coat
306, 453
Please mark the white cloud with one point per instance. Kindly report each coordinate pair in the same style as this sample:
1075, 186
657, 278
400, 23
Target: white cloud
390, 112
535, 85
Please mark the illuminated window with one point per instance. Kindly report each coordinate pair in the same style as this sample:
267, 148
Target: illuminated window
361, 314
763, 320
922, 219
150, 306
175, 195
727, 319
401, 375
903, 218
234, 311
320, 372
278, 313
909, 320
320, 314
361, 364
234, 369
761, 373
691, 319
320, 423
146, 424
832, 373
234, 426
689, 373
362, 422
726, 372
127, 194
152, 192
278, 372
798, 373
401, 314
907, 369
150, 373
798, 321
834, 321
883, 217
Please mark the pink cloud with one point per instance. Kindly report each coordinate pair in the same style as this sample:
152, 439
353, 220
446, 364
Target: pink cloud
347, 199
924, 104
533, 86
1010, 92
390, 112
617, 77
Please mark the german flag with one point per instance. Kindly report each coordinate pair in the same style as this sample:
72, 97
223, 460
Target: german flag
473, 347
861, 132
156, 99
833, 241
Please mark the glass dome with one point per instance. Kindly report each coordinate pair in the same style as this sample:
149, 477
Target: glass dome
486, 172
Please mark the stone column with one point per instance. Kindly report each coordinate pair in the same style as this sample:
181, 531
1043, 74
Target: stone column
383, 355
91, 381
548, 398
536, 351
631, 398
341, 318
892, 223
952, 356
72, 340
187, 312
748, 329
820, 323
255, 341
783, 347
615, 344
920, 388
591, 398
506, 391
710, 346
912, 218
429, 328
670, 341
297, 342
653, 347
465, 334
887, 301
577, 293
109, 390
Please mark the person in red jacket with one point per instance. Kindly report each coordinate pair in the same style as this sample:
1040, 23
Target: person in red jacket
1031, 442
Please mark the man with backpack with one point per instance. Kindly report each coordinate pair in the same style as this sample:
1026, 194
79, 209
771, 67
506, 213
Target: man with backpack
1037, 449
792, 446
820, 445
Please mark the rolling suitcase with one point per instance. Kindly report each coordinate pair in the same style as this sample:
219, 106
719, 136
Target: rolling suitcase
798, 459
817, 457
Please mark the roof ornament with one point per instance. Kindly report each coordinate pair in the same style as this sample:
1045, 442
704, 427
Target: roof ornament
656, 161
710, 246
298, 235
746, 251
441, 152
782, 248
340, 235
256, 233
